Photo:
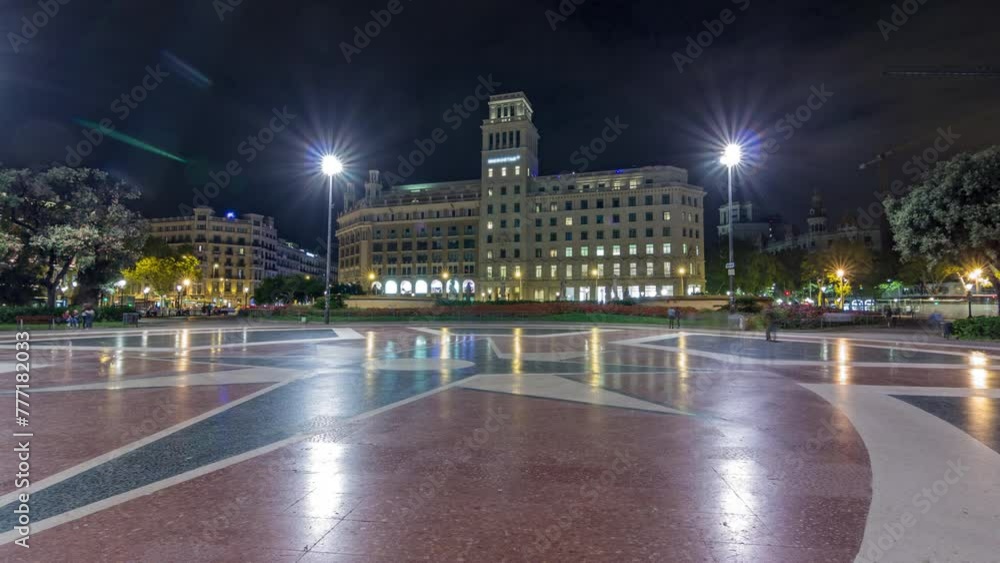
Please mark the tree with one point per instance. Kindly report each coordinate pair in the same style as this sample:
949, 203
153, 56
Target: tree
953, 214
162, 275
66, 218
287, 289
854, 258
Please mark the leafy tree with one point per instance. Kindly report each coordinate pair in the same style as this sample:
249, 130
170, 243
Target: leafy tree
286, 289
856, 260
66, 218
162, 275
952, 215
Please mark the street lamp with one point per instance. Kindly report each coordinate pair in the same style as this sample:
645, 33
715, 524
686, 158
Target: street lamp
121, 291
682, 271
594, 273
968, 295
731, 158
331, 166
520, 286
179, 288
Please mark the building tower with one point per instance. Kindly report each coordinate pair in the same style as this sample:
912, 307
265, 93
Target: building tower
817, 215
350, 195
509, 159
373, 187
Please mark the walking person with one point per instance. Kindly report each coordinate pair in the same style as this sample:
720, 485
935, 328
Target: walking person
771, 330
671, 317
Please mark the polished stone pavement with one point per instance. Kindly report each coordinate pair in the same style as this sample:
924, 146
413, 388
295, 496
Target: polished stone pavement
505, 442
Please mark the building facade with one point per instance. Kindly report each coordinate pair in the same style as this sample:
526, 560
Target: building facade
512, 234
748, 224
236, 253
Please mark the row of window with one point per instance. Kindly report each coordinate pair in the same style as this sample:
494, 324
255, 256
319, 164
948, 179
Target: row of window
599, 235
593, 271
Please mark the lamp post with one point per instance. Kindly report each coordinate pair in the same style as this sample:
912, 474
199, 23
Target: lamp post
840, 287
520, 285
731, 158
179, 288
331, 166
968, 297
682, 271
121, 292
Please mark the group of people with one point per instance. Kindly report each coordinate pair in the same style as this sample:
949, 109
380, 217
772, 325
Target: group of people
76, 319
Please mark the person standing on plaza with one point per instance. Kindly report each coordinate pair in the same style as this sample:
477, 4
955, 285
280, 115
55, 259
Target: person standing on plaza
671, 317
771, 322
88, 316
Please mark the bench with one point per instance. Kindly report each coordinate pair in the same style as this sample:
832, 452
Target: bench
35, 319
836, 318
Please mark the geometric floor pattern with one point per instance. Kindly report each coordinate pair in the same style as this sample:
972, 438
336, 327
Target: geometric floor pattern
503, 442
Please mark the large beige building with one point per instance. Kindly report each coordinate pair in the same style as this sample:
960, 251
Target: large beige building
515, 235
236, 253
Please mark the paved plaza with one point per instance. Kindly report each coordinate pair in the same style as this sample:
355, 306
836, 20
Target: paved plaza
503, 443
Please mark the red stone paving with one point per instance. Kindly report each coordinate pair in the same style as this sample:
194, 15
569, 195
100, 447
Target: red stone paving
545, 486
66, 438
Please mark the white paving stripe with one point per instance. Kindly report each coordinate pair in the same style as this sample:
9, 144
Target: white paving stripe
237, 376
913, 452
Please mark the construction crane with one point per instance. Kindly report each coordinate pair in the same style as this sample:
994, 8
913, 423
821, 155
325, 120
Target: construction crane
944, 72
950, 72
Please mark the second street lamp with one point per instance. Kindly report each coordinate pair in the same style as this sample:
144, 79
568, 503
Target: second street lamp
331, 166
731, 158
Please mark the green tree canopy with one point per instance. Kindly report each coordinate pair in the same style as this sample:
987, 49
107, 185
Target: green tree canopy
953, 214
64, 218
162, 275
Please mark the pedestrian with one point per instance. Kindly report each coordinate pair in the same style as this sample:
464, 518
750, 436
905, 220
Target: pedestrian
88, 317
74, 319
671, 317
887, 313
771, 330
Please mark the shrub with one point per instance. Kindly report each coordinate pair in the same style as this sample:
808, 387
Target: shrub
8, 315
981, 328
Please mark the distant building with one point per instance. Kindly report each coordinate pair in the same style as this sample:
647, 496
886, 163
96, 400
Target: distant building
511, 234
819, 236
747, 225
236, 252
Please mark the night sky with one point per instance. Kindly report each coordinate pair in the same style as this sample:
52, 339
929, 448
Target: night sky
607, 59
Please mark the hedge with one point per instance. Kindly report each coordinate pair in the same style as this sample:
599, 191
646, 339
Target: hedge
8, 315
977, 328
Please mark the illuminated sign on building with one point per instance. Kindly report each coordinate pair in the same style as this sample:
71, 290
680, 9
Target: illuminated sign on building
503, 159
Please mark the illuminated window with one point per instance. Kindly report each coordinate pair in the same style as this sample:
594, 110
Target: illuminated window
585, 251
553, 271
650, 269
503, 171
517, 170
489, 254
633, 183
650, 249
491, 174
666, 269
666, 249
684, 249
569, 252
503, 272
489, 225
600, 270
569, 221
616, 250
600, 251
666, 215
553, 253
633, 269
569, 271
489, 272
633, 249
617, 270
538, 271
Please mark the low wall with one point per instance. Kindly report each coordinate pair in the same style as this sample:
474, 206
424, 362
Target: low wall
389, 302
698, 302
